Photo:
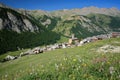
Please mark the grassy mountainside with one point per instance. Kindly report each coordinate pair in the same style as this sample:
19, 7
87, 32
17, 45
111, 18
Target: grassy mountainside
83, 22
80, 25
105, 21
66, 64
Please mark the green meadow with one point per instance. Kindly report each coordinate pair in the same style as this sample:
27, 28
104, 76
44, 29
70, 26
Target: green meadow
78, 63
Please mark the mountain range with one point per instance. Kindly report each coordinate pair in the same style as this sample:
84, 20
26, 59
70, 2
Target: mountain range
83, 22
30, 28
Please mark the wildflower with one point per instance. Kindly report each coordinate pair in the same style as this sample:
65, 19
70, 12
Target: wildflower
111, 69
85, 75
49, 62
36, 73
72, 76
78, 66
43, 70
42, 66
91, 76
101, 69
65, 59
77, 69
20, 71
119, 76
31, 73
84, 65
103, 54
33, 69
74, 60
108, 62
56, 66
80, 60
63, 68
6, 75
15, 78
60, 64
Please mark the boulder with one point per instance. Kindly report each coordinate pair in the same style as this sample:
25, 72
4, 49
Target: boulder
37, 50
27, 52
8, 57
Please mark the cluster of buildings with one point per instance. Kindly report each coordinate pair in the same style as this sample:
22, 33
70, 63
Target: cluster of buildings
78, 42
72, 42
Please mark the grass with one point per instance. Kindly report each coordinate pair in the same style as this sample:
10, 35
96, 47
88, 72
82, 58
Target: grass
15, 53
79, 63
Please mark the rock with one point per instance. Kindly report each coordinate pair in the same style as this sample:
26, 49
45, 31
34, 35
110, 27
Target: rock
14, 21
83, 41
8, 57
63, 46
47, 22
109, 48
1, 21
37, 50
29, 26
26, 53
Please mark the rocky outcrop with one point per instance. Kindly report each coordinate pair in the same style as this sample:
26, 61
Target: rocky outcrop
12, 20
109, 49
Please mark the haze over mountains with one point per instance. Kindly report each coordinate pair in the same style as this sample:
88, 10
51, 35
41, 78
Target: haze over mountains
29, 28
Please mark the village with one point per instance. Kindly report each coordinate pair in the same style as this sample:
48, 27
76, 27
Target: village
72, 42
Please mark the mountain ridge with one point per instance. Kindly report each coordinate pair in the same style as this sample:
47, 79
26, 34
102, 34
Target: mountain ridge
88, 10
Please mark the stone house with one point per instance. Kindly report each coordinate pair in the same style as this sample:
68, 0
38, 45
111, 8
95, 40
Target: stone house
115, 34
73, 40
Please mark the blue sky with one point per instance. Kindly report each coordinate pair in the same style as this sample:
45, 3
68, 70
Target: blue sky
51, 5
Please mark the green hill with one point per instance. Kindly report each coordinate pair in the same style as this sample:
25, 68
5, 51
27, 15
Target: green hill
79, 63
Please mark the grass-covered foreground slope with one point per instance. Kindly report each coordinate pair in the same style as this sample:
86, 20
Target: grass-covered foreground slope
79, 63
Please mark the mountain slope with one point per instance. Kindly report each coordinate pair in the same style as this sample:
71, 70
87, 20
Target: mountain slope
22, 31
83, 22
80, 25
11, 20
92, 24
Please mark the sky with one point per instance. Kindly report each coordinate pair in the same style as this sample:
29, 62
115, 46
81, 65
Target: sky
51, 5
